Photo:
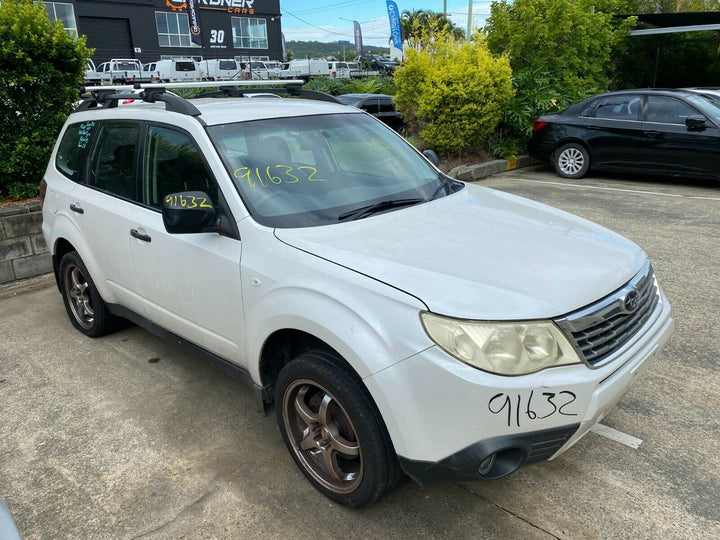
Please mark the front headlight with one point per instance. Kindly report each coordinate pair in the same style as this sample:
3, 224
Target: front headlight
504, 348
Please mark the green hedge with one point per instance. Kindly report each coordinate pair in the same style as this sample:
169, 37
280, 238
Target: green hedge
41, 68
453, 94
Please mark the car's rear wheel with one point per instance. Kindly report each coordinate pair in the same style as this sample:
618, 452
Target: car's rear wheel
572, 161
334, 431
86, 309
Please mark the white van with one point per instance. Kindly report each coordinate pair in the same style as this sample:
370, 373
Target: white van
305, 69
339, 70
222, 69
177, 70
120, 70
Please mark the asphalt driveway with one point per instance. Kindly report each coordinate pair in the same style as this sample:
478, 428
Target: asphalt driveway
129, 436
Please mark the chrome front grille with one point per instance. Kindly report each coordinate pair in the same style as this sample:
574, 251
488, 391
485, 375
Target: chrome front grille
600, 330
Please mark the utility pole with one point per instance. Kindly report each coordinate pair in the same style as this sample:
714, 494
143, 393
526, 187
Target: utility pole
445, 7
468, 35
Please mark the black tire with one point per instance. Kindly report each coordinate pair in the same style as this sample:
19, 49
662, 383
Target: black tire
571, 160
85, 308
347, 453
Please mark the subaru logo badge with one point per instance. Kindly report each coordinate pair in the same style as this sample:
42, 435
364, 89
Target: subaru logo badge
631, 301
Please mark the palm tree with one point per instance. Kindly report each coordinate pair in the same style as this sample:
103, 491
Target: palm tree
420, 27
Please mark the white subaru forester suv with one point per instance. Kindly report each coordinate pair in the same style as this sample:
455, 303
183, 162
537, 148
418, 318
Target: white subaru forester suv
399, 321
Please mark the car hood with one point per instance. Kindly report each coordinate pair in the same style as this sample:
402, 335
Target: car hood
481, 254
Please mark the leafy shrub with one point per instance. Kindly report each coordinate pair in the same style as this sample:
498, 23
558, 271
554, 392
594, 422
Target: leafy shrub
536, 93
41, 68
560, 51
366, 85
453, 94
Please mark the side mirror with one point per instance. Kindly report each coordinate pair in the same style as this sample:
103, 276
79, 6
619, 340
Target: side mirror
431, 156
189, 212
695, 122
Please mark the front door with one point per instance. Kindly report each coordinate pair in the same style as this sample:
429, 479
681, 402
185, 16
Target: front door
190, 283
670, 147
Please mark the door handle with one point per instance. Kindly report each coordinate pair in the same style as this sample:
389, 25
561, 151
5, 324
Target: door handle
76, 209
652, 133
594, 128
136, 234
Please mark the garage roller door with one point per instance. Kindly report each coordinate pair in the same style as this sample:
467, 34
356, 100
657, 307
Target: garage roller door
109, 37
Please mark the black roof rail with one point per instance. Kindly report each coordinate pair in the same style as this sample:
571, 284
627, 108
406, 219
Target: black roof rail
173, 102
107, 97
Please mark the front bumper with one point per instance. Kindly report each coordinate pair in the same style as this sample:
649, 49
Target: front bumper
447, 420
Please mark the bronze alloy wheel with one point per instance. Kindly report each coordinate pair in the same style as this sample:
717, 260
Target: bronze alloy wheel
77, 290
323, 436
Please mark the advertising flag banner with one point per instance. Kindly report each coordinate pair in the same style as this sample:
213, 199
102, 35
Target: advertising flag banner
284, 48
395, 32
194, 15
358, 38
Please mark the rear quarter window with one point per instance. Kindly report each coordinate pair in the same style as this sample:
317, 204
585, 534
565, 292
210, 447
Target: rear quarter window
71, 151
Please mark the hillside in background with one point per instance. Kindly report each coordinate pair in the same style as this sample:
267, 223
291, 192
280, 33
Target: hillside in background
317, 49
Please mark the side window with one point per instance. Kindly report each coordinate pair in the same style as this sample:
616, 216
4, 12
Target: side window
386, 106
173, 163
622, 107
69, 158
112, 165
665, 110
370, 106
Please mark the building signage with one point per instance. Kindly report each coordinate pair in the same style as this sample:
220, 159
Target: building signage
194, 15
234, 7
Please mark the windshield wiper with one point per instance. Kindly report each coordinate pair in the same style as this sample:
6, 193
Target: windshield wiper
446, 182
370, 209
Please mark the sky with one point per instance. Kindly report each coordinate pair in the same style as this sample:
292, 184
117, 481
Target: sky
325, 20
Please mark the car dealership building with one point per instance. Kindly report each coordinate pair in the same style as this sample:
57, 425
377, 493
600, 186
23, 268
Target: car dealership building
153, 29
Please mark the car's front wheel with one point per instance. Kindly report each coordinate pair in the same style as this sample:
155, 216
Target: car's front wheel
572, 161
334, 431
86, 309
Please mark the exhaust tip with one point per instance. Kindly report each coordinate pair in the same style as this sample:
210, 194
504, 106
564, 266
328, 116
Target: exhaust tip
501, 463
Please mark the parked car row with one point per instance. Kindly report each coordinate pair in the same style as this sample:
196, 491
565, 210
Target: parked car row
673, 132
124, 71
131, 70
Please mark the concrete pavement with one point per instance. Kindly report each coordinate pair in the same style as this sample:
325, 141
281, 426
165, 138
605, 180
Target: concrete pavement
129, 436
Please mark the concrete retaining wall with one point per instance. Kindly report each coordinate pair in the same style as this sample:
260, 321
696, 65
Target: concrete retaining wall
23, 252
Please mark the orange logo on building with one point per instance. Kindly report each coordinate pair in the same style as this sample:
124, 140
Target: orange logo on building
176, 5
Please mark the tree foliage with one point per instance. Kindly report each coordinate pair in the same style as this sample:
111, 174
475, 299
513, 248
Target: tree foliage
569, 43
420, 27
41, 68
454, 94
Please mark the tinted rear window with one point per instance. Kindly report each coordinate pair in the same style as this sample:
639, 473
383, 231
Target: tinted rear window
227, 64
184, 66
69, 158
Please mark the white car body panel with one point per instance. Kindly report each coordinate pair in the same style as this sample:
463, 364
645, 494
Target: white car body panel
512, 259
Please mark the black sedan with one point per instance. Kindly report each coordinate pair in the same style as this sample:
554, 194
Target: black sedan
381, 106
668, 132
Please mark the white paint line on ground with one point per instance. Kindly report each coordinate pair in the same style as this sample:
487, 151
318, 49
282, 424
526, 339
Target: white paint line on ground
617, 436
619, 189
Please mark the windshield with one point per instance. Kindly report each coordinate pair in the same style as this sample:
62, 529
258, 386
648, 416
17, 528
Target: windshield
312, 170
709, 104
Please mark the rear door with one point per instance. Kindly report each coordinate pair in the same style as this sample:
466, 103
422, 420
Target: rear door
670, 146
612, 128
102, 204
